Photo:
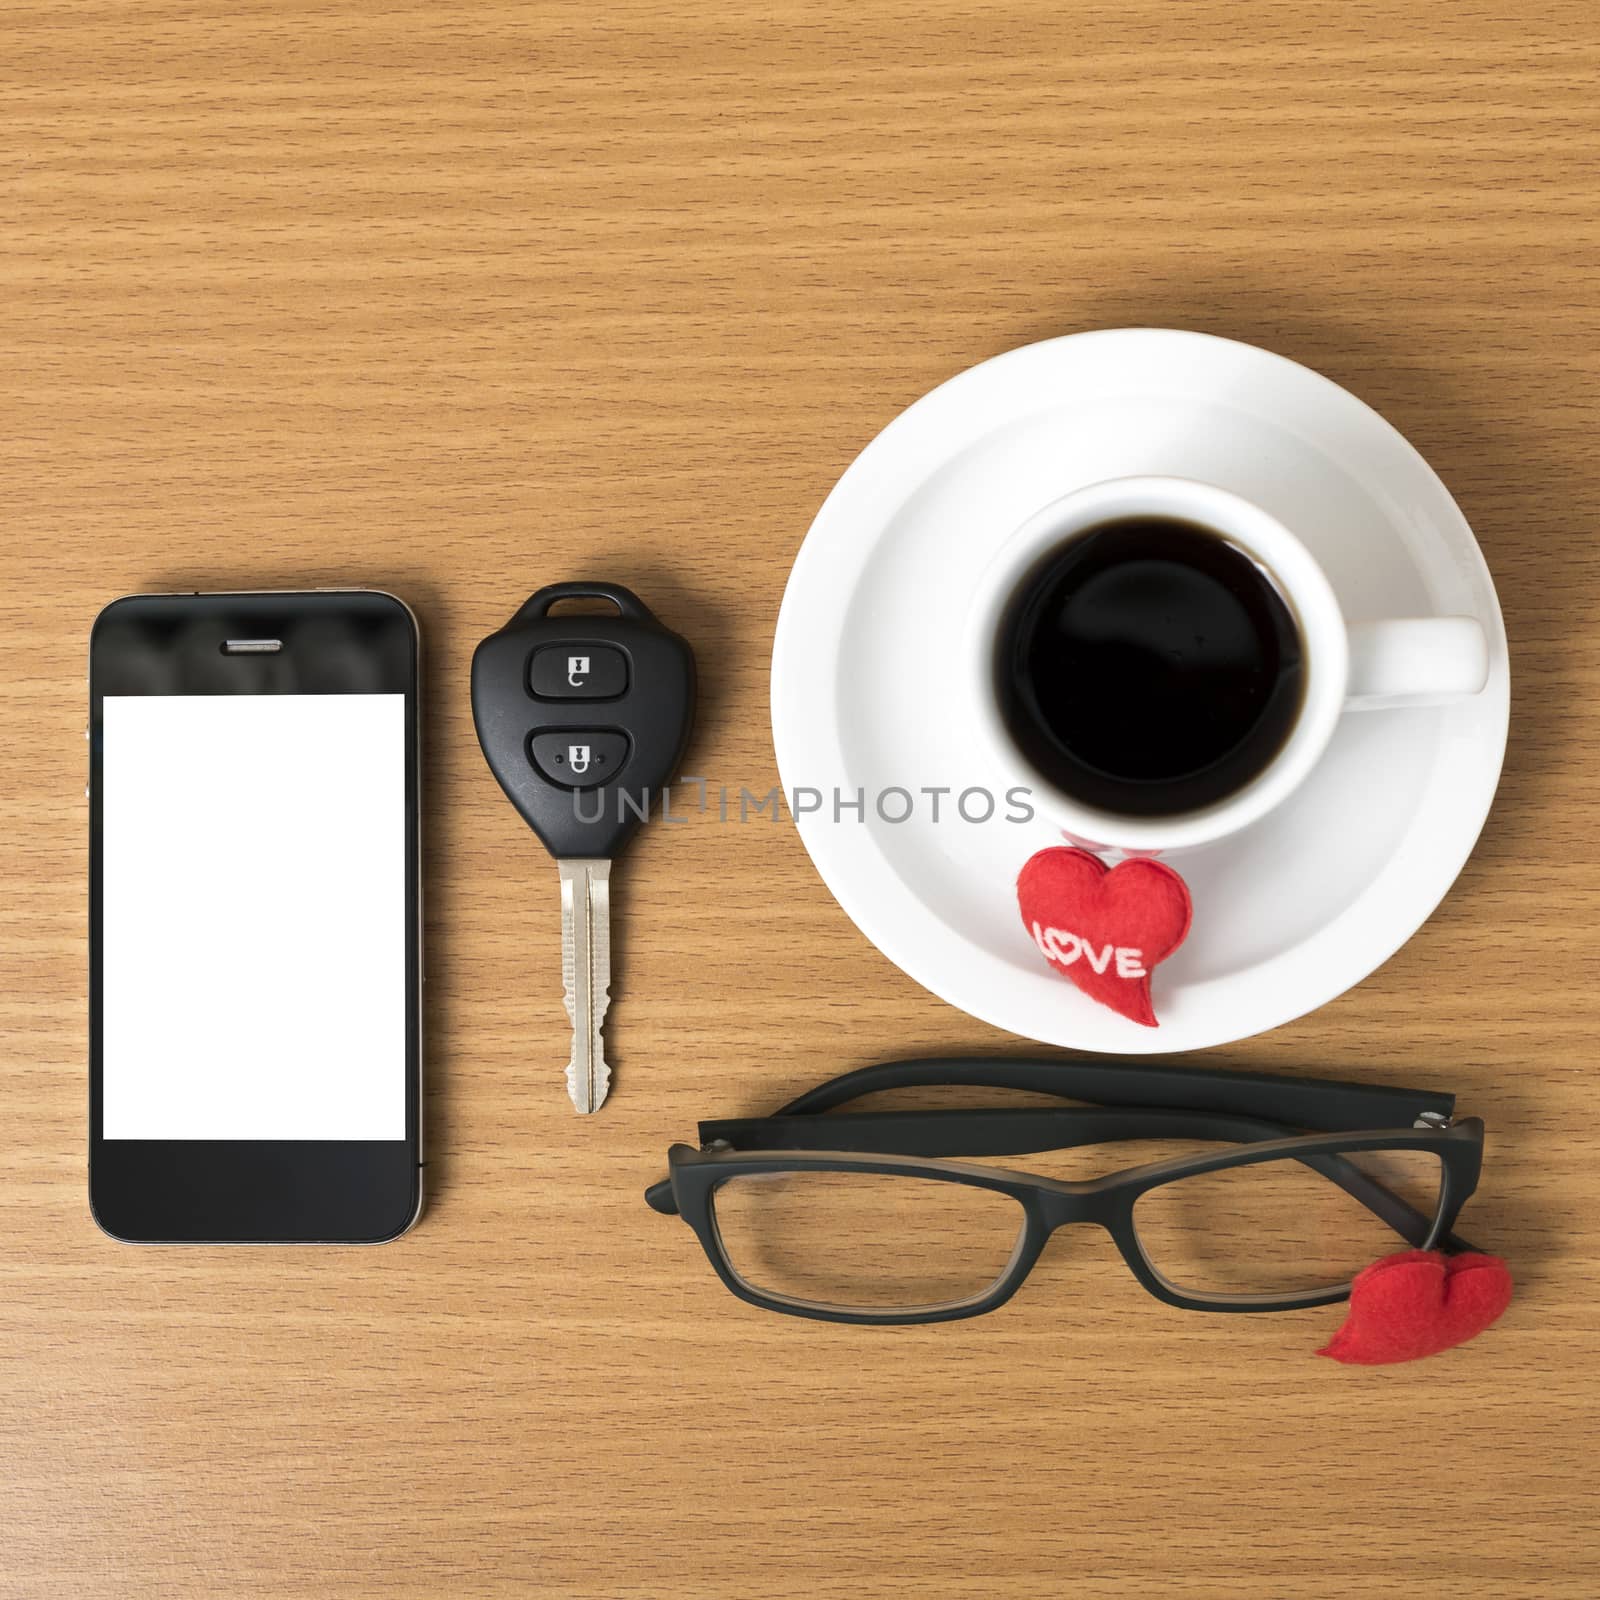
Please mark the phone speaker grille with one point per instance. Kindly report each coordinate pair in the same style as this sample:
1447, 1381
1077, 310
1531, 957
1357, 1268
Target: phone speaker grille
251, 647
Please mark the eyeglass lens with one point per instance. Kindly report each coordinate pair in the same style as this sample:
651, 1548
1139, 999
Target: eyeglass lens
865, 1241
1283, 1226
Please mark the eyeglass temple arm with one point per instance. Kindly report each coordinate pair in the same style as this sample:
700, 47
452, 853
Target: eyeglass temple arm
1262, 1101
1327, 1105
1323, 1104
800, 1134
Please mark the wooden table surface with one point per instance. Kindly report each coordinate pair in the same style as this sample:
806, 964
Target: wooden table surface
463, 298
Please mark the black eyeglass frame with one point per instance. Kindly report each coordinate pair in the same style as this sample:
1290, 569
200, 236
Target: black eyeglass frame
1256, 1112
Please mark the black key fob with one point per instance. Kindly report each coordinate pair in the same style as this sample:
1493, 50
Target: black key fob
583, 718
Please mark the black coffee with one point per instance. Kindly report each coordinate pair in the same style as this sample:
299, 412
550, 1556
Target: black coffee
1149, 667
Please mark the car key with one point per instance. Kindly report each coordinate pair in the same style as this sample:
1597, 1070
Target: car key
583, 720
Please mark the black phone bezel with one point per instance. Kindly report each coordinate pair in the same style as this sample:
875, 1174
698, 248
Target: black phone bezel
189, 1191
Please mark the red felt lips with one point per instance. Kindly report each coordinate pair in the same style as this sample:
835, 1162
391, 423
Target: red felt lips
1103, 927
1418, 1303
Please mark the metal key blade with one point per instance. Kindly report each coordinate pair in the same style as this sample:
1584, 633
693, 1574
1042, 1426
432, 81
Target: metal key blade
586, 976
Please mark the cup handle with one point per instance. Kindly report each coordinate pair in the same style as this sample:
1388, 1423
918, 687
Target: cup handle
1416, 661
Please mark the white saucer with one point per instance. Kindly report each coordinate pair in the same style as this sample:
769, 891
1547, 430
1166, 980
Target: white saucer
1290, 912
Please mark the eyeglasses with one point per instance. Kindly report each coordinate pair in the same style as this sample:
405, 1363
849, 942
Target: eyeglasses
871, 1217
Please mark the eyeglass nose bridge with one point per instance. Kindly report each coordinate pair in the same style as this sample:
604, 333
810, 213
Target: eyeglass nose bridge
1067, 1203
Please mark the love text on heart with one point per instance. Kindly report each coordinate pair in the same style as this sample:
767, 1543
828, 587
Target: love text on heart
1057, 944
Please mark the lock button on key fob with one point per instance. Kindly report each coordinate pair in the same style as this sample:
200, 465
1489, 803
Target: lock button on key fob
580, 758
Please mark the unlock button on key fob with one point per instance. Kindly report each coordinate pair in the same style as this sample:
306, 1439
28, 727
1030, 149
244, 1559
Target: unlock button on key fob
579, 758
578, 672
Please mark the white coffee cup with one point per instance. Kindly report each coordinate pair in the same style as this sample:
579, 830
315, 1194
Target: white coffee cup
1348, 665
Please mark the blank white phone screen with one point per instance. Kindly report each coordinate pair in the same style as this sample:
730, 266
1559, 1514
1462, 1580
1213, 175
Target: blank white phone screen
254, 916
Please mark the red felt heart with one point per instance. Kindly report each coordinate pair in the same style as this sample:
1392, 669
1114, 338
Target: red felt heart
1418, 1303
1105, 928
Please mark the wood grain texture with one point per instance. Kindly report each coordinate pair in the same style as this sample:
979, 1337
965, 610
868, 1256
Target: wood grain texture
460, 298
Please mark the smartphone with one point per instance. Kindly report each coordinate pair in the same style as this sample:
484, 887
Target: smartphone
255, 919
